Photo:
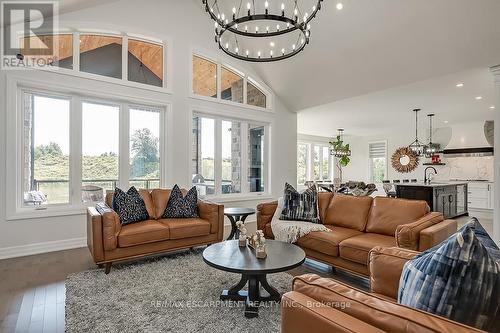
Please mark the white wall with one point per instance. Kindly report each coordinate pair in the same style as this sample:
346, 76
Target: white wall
496, 212
186, 27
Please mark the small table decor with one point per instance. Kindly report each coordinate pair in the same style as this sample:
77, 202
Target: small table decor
256, 241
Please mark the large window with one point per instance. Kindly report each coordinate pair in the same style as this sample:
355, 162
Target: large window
314, 163
103, 55
63, 166
232, 86
228, 156
377, 152
46, 149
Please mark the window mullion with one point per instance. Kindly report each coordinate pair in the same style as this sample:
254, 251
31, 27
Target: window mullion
218, 157
124, 150
75, 152
76, 51
245, 90
125, 58
219, 80
244, 158
266, 161
163, 149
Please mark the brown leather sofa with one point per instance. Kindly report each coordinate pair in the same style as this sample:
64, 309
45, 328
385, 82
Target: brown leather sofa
360, 223
324, 305
109, 241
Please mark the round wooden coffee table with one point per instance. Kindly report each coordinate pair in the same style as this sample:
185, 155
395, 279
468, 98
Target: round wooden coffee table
234, 215
230, 257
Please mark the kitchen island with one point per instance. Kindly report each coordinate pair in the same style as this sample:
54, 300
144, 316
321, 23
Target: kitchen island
449, 198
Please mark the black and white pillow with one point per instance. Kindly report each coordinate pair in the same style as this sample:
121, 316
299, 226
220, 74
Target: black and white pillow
180, 206
301, 206
129, 206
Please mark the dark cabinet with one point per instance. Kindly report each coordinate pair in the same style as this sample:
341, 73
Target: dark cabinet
451, 200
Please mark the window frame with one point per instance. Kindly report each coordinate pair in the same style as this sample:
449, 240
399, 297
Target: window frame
75, 71
310, 161
244, 193
370, 160
246, 78
15, 206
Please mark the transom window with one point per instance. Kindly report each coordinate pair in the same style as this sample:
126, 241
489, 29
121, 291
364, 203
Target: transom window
104, 55
232, 85
73, 151
228, 156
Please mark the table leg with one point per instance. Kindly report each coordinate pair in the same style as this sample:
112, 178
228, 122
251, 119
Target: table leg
233, 227
235, 293
252, 302
274, 295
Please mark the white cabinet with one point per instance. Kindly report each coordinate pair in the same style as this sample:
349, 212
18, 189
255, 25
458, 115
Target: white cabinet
480, 195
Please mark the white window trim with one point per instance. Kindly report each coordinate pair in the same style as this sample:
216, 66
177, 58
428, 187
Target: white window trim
218, 117
246, 78
310, 160
15, 210
75, 71
370, 165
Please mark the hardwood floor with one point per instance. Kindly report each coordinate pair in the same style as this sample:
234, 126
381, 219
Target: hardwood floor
32, 290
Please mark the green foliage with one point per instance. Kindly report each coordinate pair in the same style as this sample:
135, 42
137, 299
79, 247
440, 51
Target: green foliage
144, 148
338, 145
52, 149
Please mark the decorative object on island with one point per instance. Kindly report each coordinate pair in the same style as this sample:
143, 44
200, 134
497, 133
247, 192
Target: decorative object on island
432, 149
342, 153
236, 35
404, 160
416, 146
258, 243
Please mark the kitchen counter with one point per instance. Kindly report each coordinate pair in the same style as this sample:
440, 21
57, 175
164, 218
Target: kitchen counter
432, 184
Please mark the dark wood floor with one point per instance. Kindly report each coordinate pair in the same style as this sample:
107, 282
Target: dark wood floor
32, 291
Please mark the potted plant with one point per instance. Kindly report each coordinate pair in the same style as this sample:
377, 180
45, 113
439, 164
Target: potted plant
342, 152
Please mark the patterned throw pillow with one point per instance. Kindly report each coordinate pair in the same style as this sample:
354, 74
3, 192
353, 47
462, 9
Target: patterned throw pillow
179, 206
129, 206
301, 206
458, 279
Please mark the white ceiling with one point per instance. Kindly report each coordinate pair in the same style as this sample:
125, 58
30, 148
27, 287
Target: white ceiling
391, 109
373, 45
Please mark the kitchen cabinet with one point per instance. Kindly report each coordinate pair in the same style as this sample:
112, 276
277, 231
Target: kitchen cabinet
481, 195
450, 199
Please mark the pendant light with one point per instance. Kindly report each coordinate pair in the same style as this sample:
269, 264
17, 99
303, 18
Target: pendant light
432, 148
416, 146
339, 149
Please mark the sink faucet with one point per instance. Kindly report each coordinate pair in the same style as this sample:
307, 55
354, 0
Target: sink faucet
428, 180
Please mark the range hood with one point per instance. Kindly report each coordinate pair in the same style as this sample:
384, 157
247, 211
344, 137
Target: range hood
470, 139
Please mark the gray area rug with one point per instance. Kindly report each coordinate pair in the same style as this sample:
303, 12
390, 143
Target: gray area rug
174, 293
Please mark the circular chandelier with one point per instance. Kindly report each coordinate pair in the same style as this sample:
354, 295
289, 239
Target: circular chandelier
237, 33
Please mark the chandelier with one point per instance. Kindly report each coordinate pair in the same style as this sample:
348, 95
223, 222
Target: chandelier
282, 30
416, 146
431, 148
338, 148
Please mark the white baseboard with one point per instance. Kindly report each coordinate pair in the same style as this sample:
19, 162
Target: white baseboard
36, 248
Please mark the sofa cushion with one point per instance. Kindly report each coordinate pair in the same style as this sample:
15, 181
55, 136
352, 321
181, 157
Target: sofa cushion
348, 211
458, 279
387, 213
180, 206
129, 206
185, 228
327, 242
356, 248
142, 232
300, 206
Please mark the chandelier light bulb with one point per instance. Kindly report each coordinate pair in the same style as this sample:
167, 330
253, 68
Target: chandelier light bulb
223, 17
340, 6
293, 47
288, 25
216, 24
218, 16
236, 26
283, 51
266, 4
308, 27
271, 44
295, 11
277, 27
236, 50
226, 21
249, 6
247, 53
257, 29
267, 29
314, 8
271, 53
227, 46
258, 54
234, 10
246, 28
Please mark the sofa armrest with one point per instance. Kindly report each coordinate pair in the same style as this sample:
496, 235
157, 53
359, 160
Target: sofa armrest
265, 212
408, 235
437, 233
94, 234
301, 313
111, 226
386, 265
213, 213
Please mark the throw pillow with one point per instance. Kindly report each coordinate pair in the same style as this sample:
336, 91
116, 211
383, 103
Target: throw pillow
180, 206
458, 279
301, 206
129, 206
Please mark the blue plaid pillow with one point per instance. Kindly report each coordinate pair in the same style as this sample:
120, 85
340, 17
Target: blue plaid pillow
458, 279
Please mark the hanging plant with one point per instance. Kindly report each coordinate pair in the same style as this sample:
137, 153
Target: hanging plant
340, 150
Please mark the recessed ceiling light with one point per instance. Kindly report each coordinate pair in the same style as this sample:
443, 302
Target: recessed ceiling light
460, 85
492, 107
340, 6
446, 121
479, 97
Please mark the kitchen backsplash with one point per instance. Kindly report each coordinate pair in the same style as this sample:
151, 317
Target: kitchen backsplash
466, 168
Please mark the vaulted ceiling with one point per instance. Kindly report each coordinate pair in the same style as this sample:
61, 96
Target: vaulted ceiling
374, 45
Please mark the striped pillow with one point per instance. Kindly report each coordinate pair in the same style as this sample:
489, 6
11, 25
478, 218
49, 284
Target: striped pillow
458, 279
301, 206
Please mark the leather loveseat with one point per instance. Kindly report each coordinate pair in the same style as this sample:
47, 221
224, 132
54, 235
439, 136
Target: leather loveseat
324, 305
357, 224
109, 241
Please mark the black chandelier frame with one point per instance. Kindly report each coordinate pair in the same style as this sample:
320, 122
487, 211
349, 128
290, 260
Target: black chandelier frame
291, 24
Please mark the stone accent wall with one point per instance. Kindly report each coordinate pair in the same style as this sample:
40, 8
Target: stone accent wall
236, 156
